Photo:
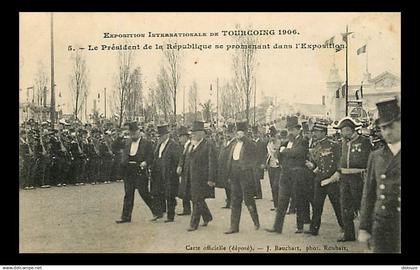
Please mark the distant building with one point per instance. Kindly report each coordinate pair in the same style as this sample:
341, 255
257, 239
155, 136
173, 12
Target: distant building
382, 86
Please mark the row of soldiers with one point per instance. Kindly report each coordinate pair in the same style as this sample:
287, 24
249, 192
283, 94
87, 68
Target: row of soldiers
64, 155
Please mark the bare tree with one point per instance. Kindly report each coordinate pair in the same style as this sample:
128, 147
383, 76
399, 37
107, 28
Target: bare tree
173, 70
207, 109
150, 108
163, 94
78, 82
193, 100
123, 83
134, 106
231, 102
244, 63
41, 83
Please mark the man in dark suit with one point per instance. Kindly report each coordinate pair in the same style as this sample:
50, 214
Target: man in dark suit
222, 180
241, 165
165, 182
261, 147
185, 185
293, 175
202, 165
380, 219
137, 157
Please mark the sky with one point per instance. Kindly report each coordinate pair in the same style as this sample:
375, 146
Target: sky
292, 75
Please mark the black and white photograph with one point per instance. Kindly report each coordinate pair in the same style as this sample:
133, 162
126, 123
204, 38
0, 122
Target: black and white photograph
209, 132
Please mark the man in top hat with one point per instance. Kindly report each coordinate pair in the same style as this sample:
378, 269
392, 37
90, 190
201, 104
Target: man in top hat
182, 170
165, 181
201, 162
323, 162
241, 165
136, 159
261, 155
293, 177
380, 219
273, 165
222, 180
351, 171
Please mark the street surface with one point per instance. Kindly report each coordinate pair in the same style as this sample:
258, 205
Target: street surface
81, 219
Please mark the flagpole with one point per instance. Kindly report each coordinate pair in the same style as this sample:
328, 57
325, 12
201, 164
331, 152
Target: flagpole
217, 103
347, 71
366, 59
255, 98
52, 112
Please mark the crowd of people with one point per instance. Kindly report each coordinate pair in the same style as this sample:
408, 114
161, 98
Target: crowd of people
360, 174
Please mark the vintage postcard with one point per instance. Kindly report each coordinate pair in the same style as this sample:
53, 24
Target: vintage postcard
209, 132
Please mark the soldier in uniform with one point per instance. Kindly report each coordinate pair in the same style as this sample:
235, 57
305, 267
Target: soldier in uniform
202, 168
165, 181
323, 162
352, 168
380, 219
117, 147
292, 158
136, 159
185, 185
261, 154
25, 157
106, 157
222, 180
77, 159
241, 164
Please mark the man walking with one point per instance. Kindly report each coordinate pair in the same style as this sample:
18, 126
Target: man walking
241, 165
137, 157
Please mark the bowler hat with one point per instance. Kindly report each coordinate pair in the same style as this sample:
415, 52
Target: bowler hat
231, 127
242, 126
162, 129
197, 126
388, 111
292, 121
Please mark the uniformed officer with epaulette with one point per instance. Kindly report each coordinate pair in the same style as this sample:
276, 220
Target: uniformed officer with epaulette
352, 168
324, 158
380, 219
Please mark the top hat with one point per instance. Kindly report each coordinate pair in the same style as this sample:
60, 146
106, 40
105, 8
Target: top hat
255, 129
242, 126
292, 121
388, 111
197, 126
183, 131
230, 128
273, 131
347, 122
162, 129
133, 126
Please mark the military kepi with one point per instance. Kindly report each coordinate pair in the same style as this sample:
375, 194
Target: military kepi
197, 126
347, 122
388, 111
318, 125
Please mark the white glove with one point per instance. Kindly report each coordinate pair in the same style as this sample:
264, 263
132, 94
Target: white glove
179, 170
143, 165
364, 236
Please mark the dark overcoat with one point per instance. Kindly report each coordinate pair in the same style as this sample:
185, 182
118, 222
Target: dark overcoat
202, 168
164, 177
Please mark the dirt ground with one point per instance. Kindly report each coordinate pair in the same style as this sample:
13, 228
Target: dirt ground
81, 219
